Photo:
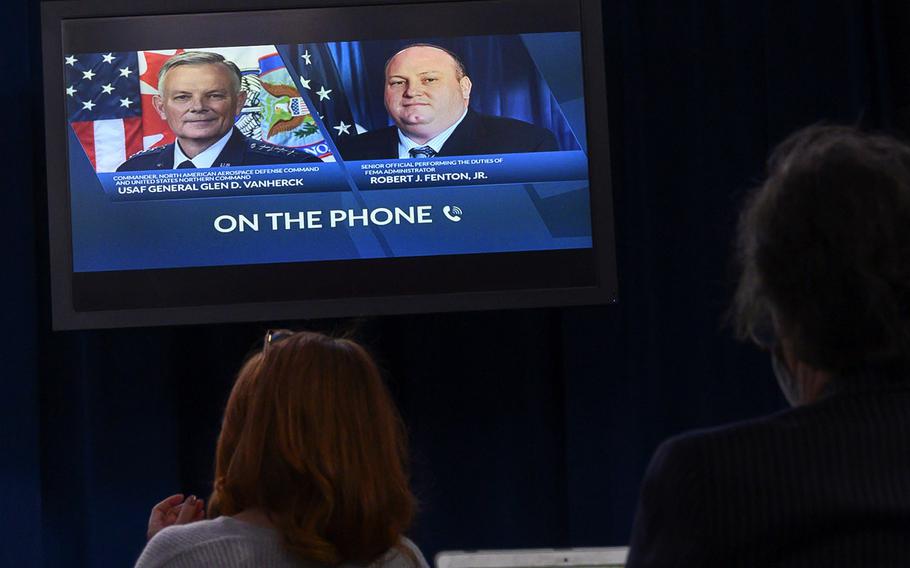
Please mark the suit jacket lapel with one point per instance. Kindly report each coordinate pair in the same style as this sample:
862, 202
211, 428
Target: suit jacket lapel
466, 139
390, 143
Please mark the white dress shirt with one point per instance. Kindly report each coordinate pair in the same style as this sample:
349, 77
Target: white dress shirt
204, 159
405, 144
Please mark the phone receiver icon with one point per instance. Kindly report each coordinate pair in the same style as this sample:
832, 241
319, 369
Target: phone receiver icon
452, 213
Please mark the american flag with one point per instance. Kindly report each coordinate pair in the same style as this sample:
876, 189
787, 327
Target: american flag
109, 103
104, 107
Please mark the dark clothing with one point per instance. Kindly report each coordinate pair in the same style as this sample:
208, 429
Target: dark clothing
827, 484
477, 134
239, 151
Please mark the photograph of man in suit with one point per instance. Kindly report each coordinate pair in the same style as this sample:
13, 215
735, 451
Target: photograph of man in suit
427, 95
199, 96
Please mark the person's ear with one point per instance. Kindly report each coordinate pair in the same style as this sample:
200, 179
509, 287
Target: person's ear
465, 84
241, 100
812, 380
158, 103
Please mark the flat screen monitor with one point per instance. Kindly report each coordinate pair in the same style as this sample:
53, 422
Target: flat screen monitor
227, 161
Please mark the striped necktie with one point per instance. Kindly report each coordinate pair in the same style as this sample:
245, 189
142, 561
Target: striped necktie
422, 152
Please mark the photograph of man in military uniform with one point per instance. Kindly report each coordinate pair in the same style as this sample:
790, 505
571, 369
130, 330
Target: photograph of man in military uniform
199, 96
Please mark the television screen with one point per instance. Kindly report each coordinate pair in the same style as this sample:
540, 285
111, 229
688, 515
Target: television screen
217, 164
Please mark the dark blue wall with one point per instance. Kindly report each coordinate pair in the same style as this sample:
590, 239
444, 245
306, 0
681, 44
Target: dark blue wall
529, 428
20, 466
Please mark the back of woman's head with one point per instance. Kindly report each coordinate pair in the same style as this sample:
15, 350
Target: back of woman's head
311, 436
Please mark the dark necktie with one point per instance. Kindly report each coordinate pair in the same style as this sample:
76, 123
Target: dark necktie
422, 152
186, 164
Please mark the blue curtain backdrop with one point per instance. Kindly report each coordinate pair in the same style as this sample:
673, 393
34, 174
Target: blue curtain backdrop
506, 81
529, 428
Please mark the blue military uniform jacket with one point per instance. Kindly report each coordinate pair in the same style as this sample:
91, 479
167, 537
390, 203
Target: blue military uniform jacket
239, 151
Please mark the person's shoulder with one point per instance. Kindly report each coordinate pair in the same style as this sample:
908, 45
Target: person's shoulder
209, 542
405, 555
374, 134
145, 159
419, 559
703, 439
371, 144
742, 446
177, 538
494, 122
694, 448
518, 132
174, 541
843, 411
258, 152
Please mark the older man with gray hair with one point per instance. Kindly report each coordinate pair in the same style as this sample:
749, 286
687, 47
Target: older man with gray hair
199, 96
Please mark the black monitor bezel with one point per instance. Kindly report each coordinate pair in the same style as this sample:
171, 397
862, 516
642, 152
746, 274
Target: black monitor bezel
574, 277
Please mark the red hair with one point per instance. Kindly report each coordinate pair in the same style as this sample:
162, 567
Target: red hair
312, 437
